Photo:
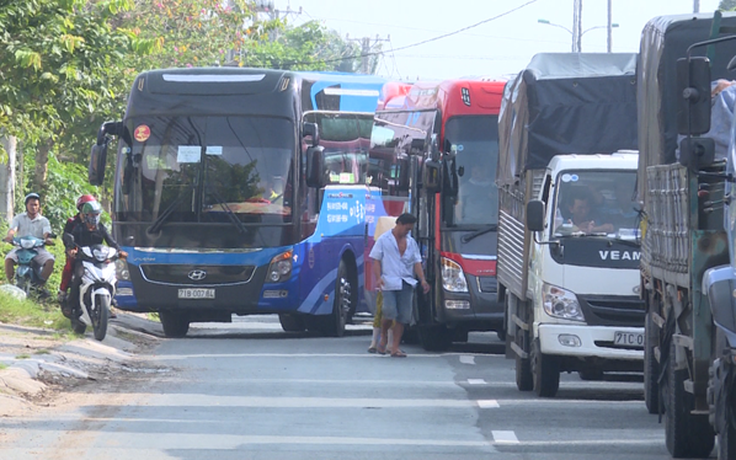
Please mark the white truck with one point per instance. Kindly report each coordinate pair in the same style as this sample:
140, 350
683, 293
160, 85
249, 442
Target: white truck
568, 248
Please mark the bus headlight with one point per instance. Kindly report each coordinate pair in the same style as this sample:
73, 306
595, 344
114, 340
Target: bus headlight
280, 268
121, 267
561, 303
453, 278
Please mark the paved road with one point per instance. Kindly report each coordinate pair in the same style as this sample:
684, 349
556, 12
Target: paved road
249, 391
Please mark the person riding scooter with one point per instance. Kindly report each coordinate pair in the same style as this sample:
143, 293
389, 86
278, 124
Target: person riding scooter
71, 223
91, 232
32, 223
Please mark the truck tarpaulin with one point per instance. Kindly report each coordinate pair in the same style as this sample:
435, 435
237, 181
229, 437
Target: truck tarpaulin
566, 103
664, 40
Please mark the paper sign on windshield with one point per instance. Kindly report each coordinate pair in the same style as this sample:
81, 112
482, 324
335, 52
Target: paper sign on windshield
188, 154
214, 150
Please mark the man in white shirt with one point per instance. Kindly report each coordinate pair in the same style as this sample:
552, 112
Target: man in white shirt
397, 260
33, 223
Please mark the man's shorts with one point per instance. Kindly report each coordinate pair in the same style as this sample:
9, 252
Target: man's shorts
41, 258
397, 305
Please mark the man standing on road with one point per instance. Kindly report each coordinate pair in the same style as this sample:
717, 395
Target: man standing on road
397, 256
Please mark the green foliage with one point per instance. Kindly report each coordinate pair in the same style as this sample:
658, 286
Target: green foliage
727, 5
29, 313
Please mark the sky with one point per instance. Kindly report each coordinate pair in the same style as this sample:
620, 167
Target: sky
498, 48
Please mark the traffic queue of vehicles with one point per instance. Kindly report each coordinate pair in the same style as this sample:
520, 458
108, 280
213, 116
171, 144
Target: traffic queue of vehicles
577, 210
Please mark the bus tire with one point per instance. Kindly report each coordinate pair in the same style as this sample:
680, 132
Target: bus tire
346, 293
686, 435
291, 323
651, 366
545, 372
175, 324
435, 337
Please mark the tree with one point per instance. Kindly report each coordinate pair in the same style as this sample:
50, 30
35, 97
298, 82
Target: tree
727, 5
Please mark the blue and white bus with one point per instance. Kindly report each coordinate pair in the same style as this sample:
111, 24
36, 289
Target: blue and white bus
242, 191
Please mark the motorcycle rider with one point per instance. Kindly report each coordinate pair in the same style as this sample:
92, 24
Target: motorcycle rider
66, 274
91, 232
32, 223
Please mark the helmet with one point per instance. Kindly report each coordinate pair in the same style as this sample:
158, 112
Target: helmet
84, 199
91, 211
31, 196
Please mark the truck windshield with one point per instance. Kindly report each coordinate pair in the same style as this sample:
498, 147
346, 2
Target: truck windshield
206, 169
596, 203
474, 141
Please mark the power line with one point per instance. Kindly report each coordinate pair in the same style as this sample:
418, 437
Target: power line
423, 42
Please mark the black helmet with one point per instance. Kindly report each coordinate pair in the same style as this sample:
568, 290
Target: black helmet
31, 196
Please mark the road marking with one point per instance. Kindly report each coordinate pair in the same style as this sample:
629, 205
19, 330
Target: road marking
487, 403
476, 382
467, 359
504, 437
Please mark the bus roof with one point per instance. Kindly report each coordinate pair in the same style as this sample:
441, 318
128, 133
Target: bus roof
452, 97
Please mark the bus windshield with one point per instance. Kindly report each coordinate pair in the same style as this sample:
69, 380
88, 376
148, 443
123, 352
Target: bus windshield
473, 139
345, 137
207, 169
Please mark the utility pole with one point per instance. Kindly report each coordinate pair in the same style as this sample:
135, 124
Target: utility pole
696, 6
609, 27
366, 48
577, 26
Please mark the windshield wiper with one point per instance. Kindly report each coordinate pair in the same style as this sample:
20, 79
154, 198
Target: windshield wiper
229, 212
163, 217
477, 233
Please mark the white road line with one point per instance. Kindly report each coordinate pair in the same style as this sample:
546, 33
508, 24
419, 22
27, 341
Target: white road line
487, 403
476, 382
467, 359
504, 437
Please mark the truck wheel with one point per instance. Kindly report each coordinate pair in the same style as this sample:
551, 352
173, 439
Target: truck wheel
545, 372
524, 380
175, 324
291, 323
727, 437
686, 435
435, 337
651, 366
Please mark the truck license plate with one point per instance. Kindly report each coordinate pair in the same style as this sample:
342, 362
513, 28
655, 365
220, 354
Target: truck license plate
192, 293
631, 339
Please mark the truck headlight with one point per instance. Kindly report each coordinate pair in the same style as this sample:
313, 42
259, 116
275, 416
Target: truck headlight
121, 268
561, 303
280, 268
453, 278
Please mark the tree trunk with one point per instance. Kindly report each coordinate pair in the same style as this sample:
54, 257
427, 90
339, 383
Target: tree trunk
42, 166
7, 177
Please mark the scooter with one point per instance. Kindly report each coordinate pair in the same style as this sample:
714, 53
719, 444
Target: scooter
720, 283
99, 281
28, 274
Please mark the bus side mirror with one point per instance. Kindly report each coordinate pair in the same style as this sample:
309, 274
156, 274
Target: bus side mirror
315, 166
417, 146
97, 162
109, 128
311, 129
697, 153
431, 176
693, 85
535, 216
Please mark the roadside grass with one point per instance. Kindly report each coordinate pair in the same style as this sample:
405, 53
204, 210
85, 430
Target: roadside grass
23, 356
3, 366
29, 313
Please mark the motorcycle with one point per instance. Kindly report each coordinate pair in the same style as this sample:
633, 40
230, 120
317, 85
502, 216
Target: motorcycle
99, 282
720, 284
28, 274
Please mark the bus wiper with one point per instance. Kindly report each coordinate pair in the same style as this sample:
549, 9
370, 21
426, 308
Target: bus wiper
163, 217
229, 212
477, 233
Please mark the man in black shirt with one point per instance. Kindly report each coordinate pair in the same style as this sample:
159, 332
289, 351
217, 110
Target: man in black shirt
91, 232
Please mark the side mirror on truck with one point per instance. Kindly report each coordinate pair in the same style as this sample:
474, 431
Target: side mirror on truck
697, 153
535, 216
693, 84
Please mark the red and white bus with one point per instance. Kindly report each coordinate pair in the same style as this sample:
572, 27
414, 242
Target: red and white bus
434, 152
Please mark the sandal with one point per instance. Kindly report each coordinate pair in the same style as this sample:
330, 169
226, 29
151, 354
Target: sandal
398, 354
381, 351
372, 349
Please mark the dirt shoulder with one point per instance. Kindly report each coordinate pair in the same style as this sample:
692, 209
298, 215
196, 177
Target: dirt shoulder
37, 365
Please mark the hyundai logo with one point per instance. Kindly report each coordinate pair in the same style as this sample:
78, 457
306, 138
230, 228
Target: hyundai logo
197, 275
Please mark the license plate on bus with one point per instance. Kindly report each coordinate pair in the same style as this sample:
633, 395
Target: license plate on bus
630, 339
196, 293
